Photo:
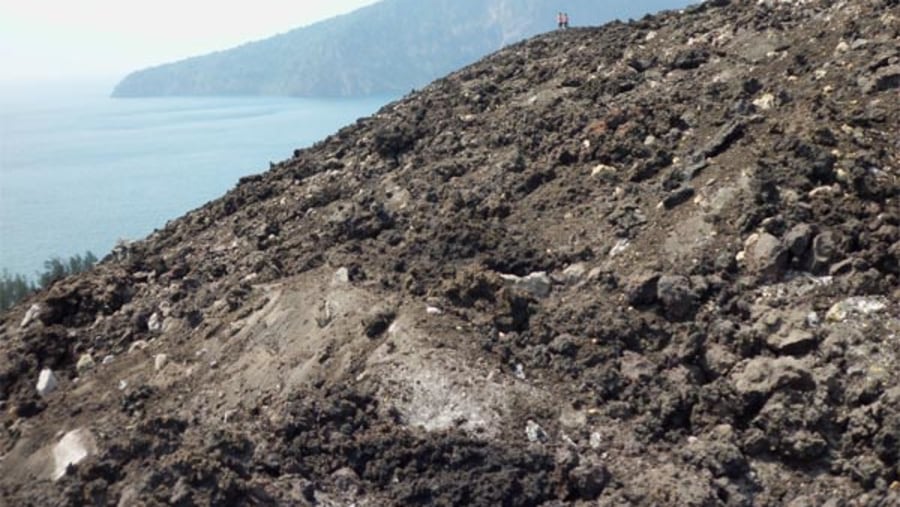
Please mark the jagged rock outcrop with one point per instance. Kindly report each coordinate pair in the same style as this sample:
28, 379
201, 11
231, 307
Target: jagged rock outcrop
344, 328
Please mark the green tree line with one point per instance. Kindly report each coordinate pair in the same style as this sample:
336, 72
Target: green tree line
14, 287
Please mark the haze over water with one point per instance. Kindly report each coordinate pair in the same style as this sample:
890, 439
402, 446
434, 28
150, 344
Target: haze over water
79, 171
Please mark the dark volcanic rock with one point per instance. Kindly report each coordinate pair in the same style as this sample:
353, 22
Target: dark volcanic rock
677, 296
478, 296
641, 288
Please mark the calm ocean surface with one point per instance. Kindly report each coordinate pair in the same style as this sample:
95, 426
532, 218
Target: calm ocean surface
79, 171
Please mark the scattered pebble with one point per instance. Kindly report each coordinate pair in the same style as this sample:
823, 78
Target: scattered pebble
812, 319
85, 364
534, 432
765, 102
341, 276
619, 247
47, 382
31, 315
603, 170
155, 323
159, 362
138, 345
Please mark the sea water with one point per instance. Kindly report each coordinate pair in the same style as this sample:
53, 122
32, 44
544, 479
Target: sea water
80, 171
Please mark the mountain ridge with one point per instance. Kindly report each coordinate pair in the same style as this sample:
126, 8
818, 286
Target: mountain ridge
388, 47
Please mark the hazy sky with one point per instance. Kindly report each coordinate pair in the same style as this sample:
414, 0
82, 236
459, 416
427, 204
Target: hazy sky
53, 39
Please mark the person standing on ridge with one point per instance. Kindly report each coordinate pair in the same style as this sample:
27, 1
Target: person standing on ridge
560, 20
565, 20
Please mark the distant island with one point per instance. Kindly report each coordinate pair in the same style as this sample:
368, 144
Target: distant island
386, 48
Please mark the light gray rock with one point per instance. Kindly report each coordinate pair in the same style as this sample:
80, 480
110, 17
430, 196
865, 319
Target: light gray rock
534, 432
824, 252
537, 284
766, 257
341, 276
812, 319
763, 375
47, 382
85, 364
34, 311
595, 441
855, 307
155, 323
72, 449
159, 362
137, 345
572, 274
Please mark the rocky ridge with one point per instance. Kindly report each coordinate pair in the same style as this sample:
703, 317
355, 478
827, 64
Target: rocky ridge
652, 263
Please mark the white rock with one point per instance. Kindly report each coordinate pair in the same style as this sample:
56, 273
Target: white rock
159, 362
822, 191
108, 359
155, 323
812, 319
619, 247
71, 450
765, 102
596, 441
33, 312
341, 276
47, 382
603, 169
574, 273
138, 345
538, 284
854, 306
433, 310
85, 363
534, 432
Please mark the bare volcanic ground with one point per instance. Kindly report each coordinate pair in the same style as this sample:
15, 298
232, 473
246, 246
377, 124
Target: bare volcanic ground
652, 263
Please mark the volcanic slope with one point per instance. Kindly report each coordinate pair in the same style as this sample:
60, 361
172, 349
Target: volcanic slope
652, 263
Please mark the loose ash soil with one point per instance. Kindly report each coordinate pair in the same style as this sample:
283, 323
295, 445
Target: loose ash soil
651, 263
